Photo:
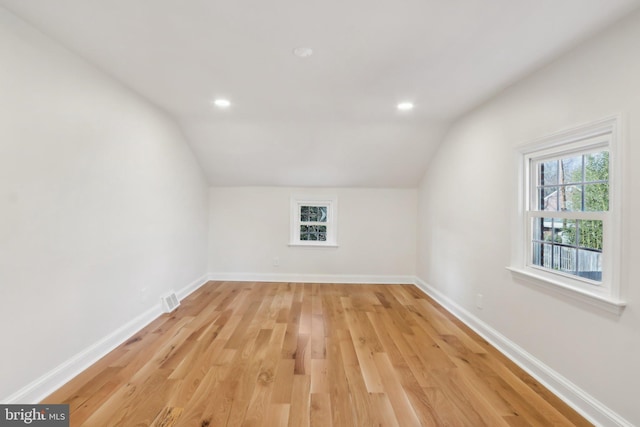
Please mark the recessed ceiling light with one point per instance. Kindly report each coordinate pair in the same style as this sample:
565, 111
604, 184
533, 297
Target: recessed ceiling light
303, 52
405, 106
222, 103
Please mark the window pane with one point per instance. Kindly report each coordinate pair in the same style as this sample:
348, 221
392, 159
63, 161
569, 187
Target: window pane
538, 229
596, 197
547, 229
322, 214
564, 259
536, 256
304, 213
313, 233
570, 198
564, 231
541, 254
304, 232
590, 265
546, 255
590, 234
570, 170
313, 213
548, 198
596, 166
548, 172
555, 259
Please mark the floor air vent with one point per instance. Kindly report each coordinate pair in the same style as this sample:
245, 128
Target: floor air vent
170, 302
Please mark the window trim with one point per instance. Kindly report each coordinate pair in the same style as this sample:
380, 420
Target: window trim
331, 202
604, 133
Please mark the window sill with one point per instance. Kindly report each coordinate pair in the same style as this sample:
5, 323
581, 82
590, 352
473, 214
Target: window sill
313, 245
603, 302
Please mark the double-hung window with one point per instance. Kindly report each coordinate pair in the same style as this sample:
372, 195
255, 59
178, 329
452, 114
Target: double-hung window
570, 203
313, 221
570, 215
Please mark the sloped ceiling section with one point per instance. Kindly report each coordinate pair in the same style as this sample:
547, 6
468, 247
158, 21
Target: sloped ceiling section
329, 119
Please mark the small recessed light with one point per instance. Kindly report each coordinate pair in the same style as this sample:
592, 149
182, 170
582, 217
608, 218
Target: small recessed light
303, 52
222, 103
405, 106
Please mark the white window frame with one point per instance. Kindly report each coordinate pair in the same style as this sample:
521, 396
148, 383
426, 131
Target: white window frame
331, 203
596, 136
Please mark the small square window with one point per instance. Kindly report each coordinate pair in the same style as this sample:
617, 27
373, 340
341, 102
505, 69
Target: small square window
313, 221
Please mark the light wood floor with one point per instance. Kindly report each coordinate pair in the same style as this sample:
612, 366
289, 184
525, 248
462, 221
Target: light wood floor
281, 354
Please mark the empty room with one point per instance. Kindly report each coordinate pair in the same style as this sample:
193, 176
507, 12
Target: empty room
361, 213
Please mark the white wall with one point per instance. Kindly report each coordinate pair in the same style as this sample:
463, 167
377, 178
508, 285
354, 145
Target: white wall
468, 196
100, 197
250, 227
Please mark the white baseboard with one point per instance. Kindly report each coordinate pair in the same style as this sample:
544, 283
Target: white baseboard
588, 406
192, 287
312, 278
51, 381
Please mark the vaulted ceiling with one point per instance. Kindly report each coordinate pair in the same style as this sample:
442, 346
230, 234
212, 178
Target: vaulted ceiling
329, 119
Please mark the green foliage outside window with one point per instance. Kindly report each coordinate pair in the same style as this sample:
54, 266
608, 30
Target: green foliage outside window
593, 197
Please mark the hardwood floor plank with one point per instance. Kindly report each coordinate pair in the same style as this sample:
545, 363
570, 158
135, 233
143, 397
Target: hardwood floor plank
338, 386
195, 410
247, 377
319, 376
363, 409
347, 351
411, 358
305, 311
382, 406
467, 398
420, 402
300, 401
261, 397
320, 410
377, 320
366, 345
318, 345
398, 399
301, 355
277, 415
283, 384
290, 341
167, 417
447, 412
